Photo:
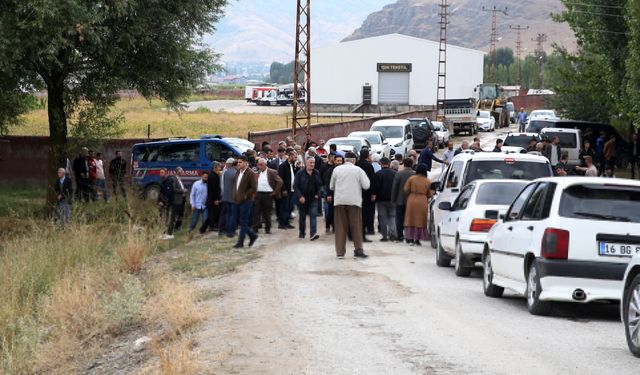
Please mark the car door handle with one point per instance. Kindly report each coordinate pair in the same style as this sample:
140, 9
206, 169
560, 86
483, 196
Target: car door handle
509, 228
530, 227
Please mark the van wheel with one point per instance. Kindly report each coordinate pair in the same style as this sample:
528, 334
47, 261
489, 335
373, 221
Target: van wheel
152, 192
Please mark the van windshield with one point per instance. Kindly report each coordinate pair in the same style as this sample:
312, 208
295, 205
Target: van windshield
536, 125
389, 131
519, 140
506, 169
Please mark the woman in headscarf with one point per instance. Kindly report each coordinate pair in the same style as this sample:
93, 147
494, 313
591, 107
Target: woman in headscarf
416, 218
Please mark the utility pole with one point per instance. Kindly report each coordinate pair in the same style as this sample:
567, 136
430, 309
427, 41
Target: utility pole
539, 54
302, 72
442, 61
518, 28
494, 39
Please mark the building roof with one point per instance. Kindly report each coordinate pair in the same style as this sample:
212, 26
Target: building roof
396, 36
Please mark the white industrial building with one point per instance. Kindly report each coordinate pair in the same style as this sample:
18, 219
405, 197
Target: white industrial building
401, 70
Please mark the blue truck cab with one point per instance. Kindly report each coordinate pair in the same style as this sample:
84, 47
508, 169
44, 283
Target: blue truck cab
195, 156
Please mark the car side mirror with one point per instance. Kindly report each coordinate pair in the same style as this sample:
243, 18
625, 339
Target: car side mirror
501, 217
435, 185
385, 142
445, 206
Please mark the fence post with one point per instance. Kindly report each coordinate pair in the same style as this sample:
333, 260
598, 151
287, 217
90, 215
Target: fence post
148, 131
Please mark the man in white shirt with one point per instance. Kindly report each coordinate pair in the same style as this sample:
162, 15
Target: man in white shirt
101, 181
449, 153
198, 202
269, 186
347, 183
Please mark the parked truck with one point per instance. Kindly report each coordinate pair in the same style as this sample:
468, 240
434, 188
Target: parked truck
459, 115
282, 95
253, 94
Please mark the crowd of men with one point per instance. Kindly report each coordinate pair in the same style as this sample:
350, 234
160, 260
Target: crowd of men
88, 173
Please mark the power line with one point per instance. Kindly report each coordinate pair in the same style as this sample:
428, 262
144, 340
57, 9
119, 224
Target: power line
596, 13
597, 5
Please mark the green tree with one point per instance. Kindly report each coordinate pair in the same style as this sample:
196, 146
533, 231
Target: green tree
504, 56
85, 51
281, 73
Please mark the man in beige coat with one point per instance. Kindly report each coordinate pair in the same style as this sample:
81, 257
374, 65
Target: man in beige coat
347, 183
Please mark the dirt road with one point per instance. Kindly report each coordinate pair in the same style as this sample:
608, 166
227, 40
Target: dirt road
299, 310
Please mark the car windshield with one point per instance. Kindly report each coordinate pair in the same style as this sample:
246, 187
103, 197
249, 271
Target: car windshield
519, 140
499, 193
536, 125
601, 202
506, 169
567, 140
349, 142
484, 114
389, 131
542, 114
372, 138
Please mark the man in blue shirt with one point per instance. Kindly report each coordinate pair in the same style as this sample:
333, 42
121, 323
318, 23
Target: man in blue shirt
427, 156
522, 119
198, 202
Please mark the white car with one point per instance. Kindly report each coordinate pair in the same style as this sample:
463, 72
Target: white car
470, 166
441, 132
630, 306
397, 133
347, 143
485, 121
564, 239
464, 231
541, 114
379, 144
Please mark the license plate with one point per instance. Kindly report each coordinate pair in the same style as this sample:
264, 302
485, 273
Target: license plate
618, 249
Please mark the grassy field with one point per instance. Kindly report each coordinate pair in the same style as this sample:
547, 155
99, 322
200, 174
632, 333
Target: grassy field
138, 113
69, 294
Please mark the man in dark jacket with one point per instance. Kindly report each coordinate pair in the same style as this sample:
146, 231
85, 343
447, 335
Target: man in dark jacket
325, 172
64, 192
287, 172
498, 146
117, 171
229, 216
368, 205
81, 174
398, 197
383, 185
214, 199
244, 187
269, 187
308, 186
427, 156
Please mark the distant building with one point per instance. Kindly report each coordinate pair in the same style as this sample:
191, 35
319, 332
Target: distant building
399, 69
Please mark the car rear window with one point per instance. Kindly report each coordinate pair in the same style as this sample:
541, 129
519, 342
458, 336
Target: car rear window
518, 140
498, 193
506, 169
567, 140
601, 202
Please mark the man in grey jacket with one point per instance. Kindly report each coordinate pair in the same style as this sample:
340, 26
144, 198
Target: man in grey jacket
399, 197
229, 215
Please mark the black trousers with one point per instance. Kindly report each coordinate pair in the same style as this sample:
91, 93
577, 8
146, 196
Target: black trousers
213, 218
262, 211
368, 213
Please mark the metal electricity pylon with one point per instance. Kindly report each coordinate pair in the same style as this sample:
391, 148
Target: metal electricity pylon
518, 29
492, 47
539, 55
442, 61
302, 72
